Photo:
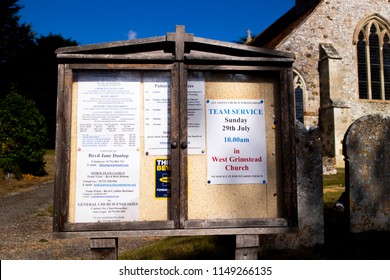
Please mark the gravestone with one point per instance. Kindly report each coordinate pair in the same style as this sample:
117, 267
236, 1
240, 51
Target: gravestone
309, 187
367, 157
310, 194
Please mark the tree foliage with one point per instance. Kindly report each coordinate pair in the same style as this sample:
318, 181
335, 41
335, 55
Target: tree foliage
28, 114
23, 136
15, 37
29, 62
37, 78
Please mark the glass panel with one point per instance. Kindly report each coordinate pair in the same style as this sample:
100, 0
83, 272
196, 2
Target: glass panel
375, 63
155, 145
235, 175
362, 67
386, 65
299, 104
119, 170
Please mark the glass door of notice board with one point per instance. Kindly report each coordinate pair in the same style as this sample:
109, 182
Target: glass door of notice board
120, 169
233, 142
129, 166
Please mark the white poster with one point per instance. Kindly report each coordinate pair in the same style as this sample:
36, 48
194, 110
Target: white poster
157, 112
196, 118
236, 142
108, 157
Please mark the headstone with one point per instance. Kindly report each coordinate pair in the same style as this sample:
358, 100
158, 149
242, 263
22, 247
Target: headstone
367, 156
310, 194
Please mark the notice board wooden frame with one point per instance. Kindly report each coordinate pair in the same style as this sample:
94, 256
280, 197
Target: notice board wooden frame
178, 53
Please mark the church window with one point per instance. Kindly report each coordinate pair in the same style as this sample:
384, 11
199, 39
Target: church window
373, 59
299, 88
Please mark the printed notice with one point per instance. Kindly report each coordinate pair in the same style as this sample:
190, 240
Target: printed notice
196, 118
108, 157
163, 178
236, 142
157, 112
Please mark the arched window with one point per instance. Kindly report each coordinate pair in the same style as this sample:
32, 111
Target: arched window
372, 39
299, 88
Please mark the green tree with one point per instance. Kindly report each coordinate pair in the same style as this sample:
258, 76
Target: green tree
29, 62
15, 40
14, 36
37, 79
23, 136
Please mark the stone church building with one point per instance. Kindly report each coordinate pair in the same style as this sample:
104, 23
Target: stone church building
342, 68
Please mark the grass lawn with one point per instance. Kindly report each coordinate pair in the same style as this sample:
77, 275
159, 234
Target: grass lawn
334, 186
339, 244
185, 248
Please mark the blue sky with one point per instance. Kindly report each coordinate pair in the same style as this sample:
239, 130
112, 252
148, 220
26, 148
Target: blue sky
98, 21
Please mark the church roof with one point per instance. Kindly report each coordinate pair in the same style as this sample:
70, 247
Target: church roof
272, 36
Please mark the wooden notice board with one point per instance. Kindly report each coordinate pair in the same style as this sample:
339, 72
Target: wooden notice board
174, 135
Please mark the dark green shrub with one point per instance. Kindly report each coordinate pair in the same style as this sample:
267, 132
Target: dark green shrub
23, 136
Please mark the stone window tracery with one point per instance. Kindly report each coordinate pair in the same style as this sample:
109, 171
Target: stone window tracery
372, 39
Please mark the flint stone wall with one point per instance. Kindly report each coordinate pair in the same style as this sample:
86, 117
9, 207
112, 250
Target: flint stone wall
334, 22
367, 156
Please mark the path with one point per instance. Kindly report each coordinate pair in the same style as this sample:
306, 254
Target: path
26, 230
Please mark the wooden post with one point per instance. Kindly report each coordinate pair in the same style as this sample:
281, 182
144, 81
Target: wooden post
104, 248
247, 247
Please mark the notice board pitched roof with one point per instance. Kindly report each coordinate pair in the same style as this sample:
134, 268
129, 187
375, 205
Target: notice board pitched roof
163, 48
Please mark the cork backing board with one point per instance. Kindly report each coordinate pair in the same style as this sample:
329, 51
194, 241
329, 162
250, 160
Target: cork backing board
206, 201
